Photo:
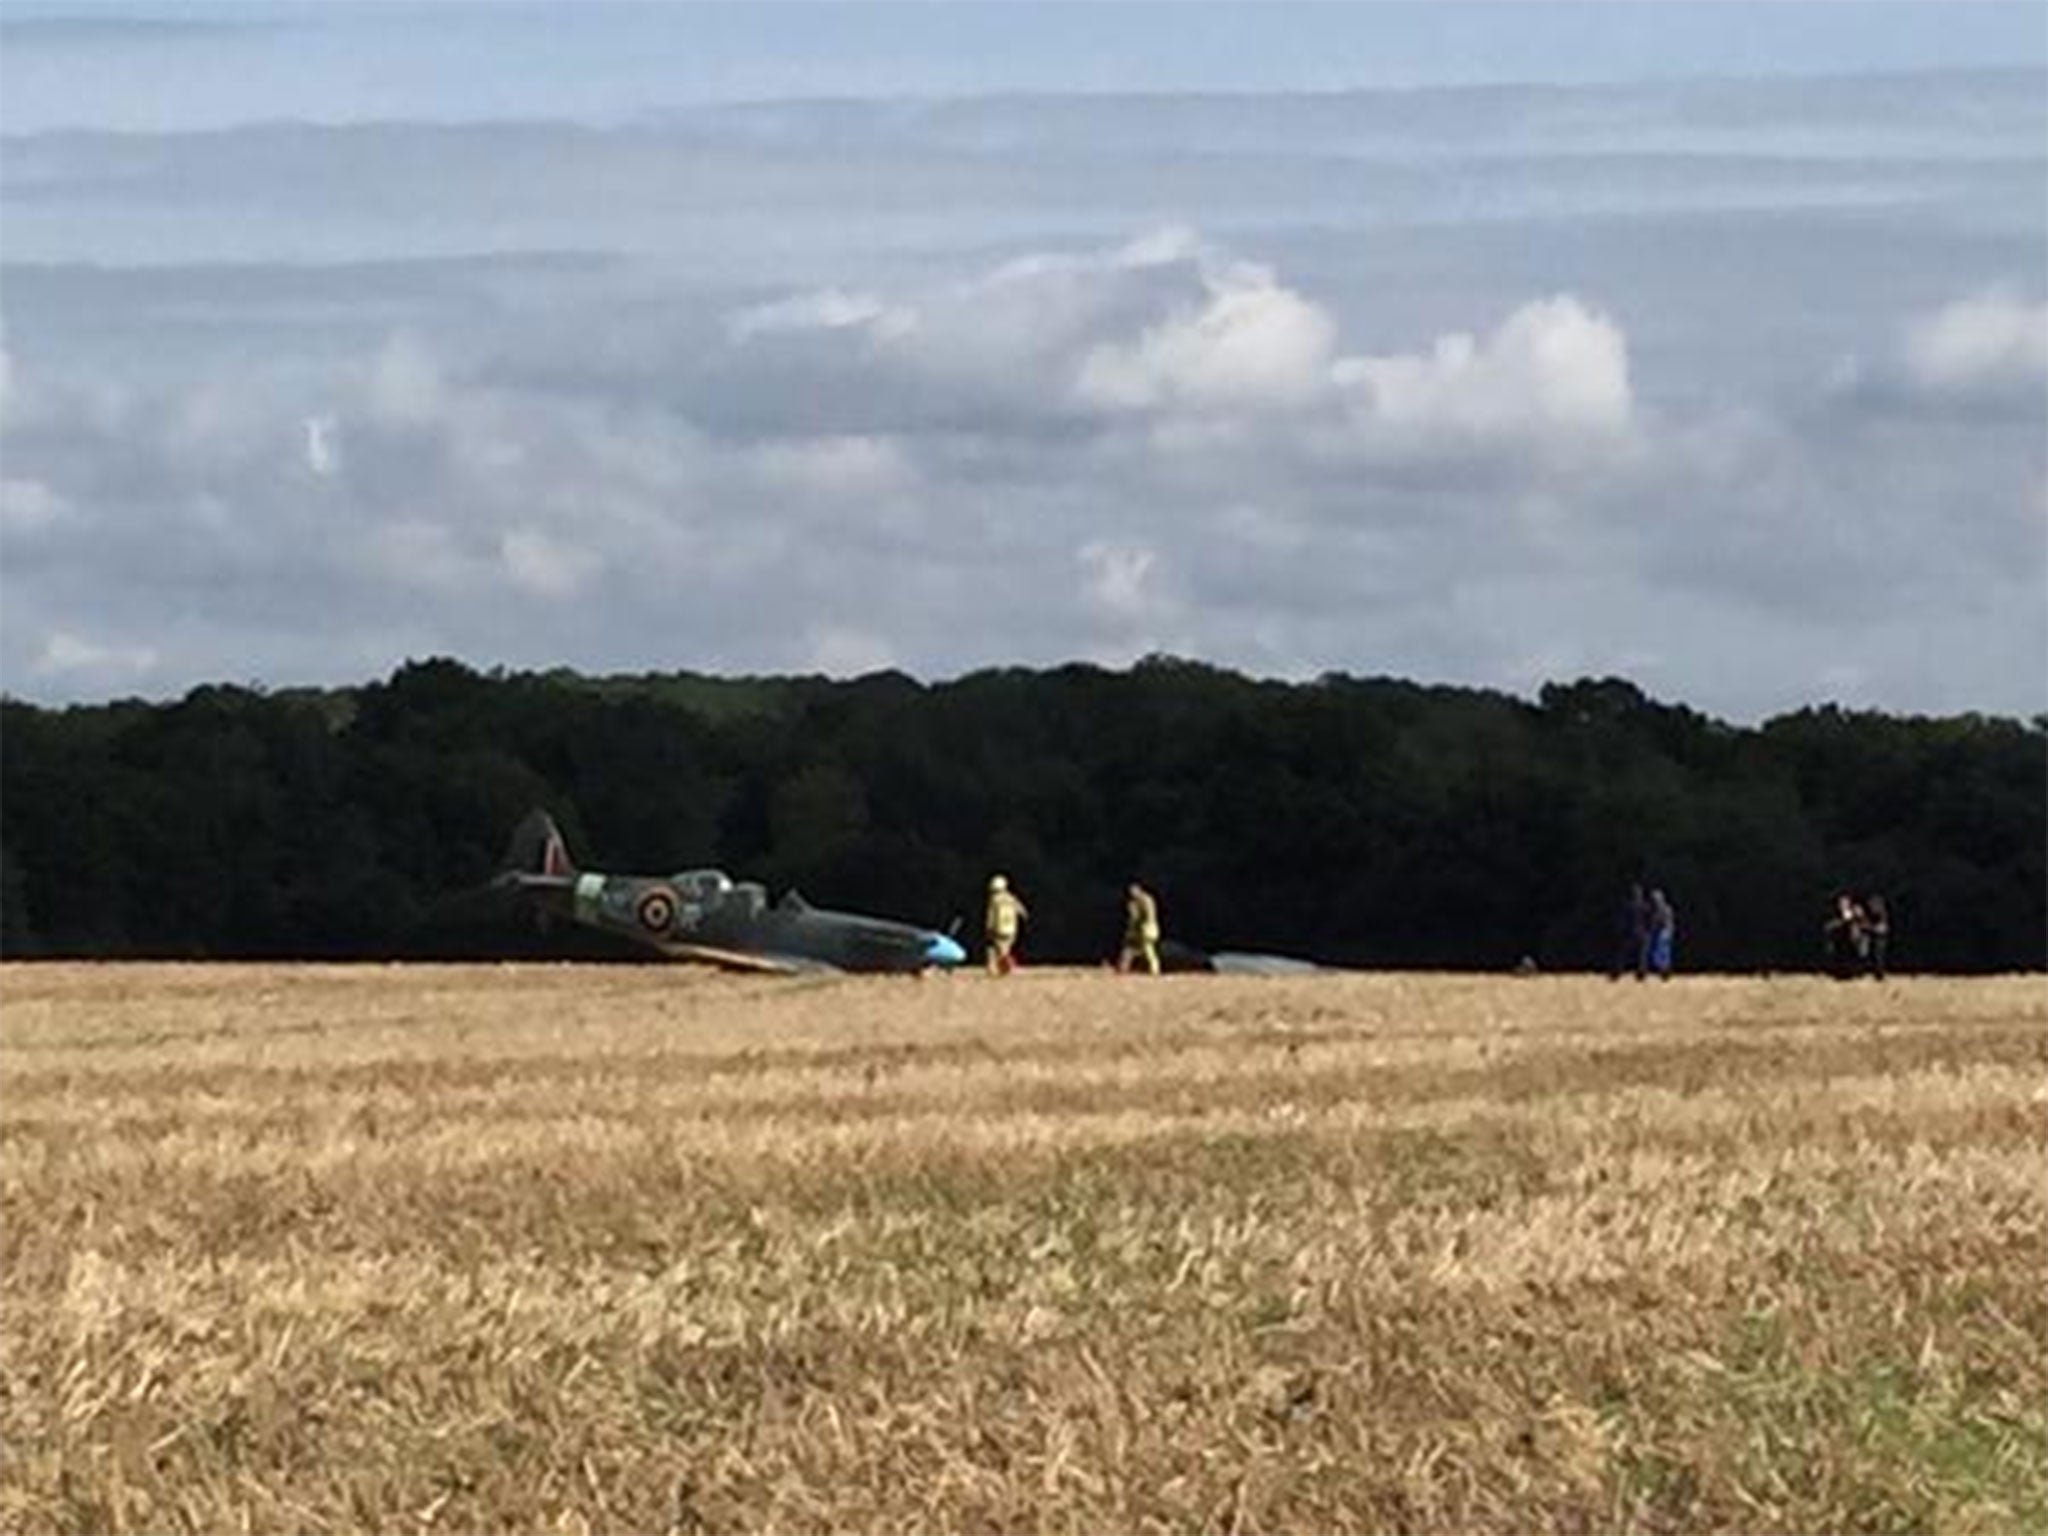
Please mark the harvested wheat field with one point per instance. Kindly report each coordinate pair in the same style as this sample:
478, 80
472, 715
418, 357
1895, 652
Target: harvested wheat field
570, 1248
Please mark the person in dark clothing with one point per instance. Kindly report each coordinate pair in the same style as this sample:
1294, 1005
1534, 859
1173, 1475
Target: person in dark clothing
1847, 937
1877, 934
1663, 934
1632, 942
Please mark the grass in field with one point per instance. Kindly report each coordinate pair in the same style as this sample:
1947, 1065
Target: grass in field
558, 1248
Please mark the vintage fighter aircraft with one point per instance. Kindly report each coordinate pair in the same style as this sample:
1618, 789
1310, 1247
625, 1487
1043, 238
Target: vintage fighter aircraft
704, 915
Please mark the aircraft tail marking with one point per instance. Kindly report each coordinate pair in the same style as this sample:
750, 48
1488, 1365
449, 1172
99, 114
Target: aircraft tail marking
537, 848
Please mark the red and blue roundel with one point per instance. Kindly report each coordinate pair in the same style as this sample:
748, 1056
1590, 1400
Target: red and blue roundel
655, 909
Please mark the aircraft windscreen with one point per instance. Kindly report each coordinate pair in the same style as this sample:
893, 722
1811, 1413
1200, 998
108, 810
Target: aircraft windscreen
702, 884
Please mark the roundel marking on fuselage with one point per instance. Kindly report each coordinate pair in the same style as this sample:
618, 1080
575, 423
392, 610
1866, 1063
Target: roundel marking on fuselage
656, 909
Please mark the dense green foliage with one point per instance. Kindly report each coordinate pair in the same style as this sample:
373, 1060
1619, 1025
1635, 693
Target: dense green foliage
1365, 821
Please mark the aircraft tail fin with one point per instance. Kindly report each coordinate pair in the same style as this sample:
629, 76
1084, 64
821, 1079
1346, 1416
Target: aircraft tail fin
537, 847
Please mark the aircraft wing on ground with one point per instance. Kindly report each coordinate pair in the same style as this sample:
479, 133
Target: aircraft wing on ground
1227, 962
741, 959
1176, 956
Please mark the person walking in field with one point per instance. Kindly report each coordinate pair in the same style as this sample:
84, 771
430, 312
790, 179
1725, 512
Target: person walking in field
1663, 934
1006, 917
1877, 934
1847, 932
1632, 941
1141, 930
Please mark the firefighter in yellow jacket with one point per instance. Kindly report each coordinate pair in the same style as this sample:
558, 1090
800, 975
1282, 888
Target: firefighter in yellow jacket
1006, 915
1141, 930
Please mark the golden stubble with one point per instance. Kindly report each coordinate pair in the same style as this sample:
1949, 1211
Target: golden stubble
558, 1247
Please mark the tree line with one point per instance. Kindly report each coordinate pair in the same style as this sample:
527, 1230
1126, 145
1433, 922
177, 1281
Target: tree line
1359, 821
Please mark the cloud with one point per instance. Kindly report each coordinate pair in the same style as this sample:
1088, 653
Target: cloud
29, 506
1117, 578
68, 658
322, 458
1144, 444
844, 651
830, 309
1252, 344
405, 387
1554, 368
1458, 386
849, 468
1985, 351
1173, 341
1198, 334
416, 553
545, 566
997, 349
1988, 340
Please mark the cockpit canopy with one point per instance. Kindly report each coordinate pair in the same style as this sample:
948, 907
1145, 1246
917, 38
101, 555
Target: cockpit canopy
713, 890
706, 885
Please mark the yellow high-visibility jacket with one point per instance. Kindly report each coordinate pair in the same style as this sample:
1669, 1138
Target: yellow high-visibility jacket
1141, 918
1005, 914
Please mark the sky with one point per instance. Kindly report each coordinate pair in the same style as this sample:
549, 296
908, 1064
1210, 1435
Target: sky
1702, 344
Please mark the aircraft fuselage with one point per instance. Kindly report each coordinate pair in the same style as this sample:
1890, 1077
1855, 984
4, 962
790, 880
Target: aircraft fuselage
701, 914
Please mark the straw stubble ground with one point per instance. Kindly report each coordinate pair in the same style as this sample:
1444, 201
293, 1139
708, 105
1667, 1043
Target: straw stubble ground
575, 1248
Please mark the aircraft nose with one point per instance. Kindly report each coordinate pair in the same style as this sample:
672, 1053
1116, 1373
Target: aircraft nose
941, 949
